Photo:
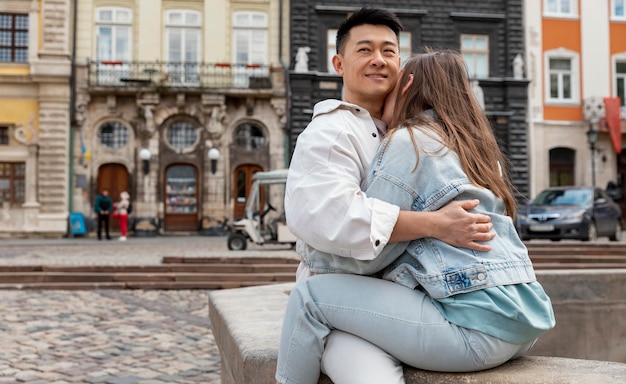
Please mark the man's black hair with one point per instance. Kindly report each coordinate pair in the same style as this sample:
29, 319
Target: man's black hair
371, 16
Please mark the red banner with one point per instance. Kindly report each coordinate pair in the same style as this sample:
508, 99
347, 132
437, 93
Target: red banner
614, 122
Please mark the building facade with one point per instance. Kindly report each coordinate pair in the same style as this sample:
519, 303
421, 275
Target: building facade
489, 34
576, 55
178, 103
35, 71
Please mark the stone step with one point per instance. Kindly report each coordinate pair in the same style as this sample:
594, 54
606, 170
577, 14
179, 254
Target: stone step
595, 249
184, 285
178, 272
175, 268
229, 260
33, 277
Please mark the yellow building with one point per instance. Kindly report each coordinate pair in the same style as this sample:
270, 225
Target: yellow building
35, 70
178, 103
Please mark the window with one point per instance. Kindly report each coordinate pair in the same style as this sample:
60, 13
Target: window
183, 45
475, 51
113, 34
181, 189
560, 8
331, 49
13, 38
249, 136
406, 47
12, 184
113, 134
620, 80
182, 135
4, 135
618, 11
561, 78
250, 38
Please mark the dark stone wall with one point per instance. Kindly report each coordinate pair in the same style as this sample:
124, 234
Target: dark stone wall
436, 24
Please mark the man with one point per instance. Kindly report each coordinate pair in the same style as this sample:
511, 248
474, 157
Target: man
325, 205
102, 207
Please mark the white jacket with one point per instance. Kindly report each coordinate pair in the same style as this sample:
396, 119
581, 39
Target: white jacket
325, 205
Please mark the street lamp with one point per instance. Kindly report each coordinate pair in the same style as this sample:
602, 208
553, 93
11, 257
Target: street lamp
214, 154
145, 155
593, 111
592, 139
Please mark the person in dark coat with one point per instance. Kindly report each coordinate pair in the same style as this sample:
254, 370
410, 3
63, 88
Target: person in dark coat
614, 192
102, 207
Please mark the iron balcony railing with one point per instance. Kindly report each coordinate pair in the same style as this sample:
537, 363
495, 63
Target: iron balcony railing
177, 74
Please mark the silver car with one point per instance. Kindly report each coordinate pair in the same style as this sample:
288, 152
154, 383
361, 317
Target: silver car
583, 213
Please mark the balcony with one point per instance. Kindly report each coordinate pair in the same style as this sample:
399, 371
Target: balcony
176, 74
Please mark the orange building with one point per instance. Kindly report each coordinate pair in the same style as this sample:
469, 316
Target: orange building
576, 57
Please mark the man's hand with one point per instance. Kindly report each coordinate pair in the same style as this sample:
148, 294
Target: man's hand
457, 227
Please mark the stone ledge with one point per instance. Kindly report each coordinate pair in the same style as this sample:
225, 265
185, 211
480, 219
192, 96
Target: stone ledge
246, 325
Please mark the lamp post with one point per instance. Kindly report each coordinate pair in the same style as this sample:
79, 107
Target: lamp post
593, 111
592, 138
214, 154
145, 155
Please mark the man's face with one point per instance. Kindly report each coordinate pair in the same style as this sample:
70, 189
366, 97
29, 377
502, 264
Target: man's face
369, 64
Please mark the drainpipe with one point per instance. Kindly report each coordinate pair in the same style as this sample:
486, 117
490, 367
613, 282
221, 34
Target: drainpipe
70, 204
287, 143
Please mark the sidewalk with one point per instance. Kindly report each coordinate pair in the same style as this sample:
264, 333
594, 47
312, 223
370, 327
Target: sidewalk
134, 251
110, 336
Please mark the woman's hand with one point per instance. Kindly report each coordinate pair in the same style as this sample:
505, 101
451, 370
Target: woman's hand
458, 227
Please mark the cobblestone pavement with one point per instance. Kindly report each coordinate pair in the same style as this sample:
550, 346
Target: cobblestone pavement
110, 336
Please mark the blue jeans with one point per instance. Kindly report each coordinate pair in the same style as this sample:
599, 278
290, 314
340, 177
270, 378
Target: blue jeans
401, 321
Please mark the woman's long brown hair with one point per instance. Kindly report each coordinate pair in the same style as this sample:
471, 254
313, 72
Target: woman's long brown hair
440, 83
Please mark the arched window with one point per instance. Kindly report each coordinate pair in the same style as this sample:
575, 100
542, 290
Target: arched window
249, 136
113, 134
182, 135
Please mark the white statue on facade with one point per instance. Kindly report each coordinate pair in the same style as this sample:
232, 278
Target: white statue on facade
302, 60
518, 67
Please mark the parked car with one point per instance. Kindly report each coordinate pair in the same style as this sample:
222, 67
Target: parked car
583, 213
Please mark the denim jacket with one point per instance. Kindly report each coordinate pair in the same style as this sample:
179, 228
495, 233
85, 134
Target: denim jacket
439, 268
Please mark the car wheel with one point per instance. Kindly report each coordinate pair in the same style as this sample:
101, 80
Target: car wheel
617, 235
592, 233
237, 242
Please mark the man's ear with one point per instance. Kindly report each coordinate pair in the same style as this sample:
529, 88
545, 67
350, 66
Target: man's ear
337, 61
407, 85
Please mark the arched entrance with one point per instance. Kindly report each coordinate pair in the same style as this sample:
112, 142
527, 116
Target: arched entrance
181, 198
562, 167
241, 184
113, 177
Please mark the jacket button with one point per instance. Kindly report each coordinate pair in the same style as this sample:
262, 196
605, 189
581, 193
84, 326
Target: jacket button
374, 134
481, 276
377, 243
358, 110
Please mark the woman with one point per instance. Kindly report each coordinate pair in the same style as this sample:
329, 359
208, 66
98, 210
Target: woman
436, 307
121, 213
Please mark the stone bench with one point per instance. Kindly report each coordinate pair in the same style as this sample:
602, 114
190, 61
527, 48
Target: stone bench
246, 325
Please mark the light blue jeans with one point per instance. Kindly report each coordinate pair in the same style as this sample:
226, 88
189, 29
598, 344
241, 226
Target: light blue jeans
401, 321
